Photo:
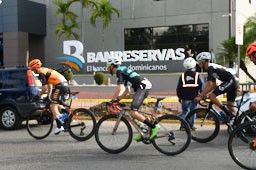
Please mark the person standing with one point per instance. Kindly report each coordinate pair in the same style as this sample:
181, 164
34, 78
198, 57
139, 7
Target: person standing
189, 86
213, 56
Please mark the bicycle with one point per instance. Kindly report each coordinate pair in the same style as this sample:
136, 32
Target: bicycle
206, 121
114, 131
242, 145
80, 123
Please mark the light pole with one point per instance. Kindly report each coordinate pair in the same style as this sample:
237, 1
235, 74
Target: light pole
230, 17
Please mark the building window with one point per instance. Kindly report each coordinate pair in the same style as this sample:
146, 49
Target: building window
194, 36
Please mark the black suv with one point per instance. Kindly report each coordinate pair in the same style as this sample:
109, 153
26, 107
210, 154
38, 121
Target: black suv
17, 96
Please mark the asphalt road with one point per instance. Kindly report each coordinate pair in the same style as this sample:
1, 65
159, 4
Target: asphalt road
19, 151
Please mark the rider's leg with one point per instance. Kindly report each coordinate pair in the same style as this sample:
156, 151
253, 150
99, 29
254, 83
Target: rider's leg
137, 101
216, 101
55, 112
231, 107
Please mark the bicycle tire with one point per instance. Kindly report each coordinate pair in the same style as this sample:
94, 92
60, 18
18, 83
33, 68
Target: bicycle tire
81, 124
104, 129
210, 130
39, 123
239, 137
242, 118
173, 135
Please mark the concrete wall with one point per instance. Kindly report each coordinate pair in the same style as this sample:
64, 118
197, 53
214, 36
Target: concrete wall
18, 19
143, 13
15, 48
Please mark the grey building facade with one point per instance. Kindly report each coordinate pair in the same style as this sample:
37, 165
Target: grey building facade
30, 25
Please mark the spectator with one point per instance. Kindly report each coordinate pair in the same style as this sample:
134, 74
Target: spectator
188, 88
213, 56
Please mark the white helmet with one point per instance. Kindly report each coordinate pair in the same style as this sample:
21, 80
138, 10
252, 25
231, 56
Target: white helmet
114, 60
189, 63
203, 56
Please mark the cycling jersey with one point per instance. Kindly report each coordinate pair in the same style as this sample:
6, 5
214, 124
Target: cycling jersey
228, 85
220, 73
140, 85
125, 76
50, 76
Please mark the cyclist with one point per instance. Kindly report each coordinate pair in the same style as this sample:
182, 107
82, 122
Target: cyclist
229, 85
56, 87
251, 53
141, 87
189, 86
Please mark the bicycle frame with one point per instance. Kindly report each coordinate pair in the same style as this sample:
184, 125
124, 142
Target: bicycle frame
125, 113
213, 109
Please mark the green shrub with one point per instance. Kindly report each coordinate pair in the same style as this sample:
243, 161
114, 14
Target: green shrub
100, 78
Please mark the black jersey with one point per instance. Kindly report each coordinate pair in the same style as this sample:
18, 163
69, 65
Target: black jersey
220, 73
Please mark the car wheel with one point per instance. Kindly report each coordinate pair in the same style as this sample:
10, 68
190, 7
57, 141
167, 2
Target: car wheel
10, 118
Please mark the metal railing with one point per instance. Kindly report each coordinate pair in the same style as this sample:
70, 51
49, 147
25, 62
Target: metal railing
247, 87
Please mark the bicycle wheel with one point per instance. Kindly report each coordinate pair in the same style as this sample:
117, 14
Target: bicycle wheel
81, 124
170, 139
242, 145
206, 125
246, 116
113, 139
39, 123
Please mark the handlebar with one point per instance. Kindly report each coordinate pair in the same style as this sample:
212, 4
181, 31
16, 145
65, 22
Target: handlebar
204, 102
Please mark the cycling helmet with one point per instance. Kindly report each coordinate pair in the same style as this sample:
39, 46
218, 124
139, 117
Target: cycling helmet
251, 49
189, 63
114, 61
34, 64
203, 56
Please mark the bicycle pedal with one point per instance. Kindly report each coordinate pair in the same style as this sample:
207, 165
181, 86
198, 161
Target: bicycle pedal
146, 141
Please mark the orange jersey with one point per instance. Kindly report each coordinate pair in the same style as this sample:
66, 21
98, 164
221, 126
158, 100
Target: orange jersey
53, 77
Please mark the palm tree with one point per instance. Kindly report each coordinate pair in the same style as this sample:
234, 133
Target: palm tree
229, 48
104, 10
100, 9
68, 22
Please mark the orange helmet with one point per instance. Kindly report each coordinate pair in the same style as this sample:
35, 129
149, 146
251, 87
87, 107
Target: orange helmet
251, 49
34, 64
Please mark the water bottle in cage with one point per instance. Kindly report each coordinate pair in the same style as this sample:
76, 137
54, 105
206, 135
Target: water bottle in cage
220, 114
63, 116
144, 128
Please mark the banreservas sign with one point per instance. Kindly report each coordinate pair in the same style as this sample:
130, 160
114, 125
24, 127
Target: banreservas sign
167, 60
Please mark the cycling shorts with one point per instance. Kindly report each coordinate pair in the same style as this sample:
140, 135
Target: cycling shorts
230, 87
60, 93
138, 98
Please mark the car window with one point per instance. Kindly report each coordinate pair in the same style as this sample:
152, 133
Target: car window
12, 79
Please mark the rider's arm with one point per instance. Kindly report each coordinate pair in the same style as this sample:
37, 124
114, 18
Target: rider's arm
209, 86
119, 91
120, 88
210, 83
50, 88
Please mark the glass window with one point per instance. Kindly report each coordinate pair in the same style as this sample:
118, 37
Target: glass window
138, 38
12, 79
194, 36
